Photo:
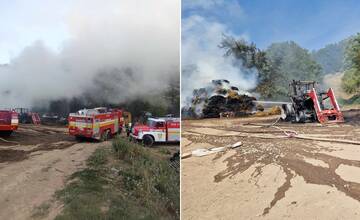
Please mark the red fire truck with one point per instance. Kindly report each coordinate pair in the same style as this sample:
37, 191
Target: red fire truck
9, 122
98, 123
157, 130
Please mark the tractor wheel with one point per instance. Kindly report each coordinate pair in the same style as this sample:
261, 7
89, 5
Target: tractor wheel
105, 135
148, 141
300, 117
314, 117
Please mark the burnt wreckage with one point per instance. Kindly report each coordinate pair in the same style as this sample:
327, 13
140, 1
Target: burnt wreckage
217, 99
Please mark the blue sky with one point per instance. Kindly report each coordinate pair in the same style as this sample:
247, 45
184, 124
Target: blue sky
312, 24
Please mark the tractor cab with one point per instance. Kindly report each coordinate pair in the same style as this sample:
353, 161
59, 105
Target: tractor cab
308, 105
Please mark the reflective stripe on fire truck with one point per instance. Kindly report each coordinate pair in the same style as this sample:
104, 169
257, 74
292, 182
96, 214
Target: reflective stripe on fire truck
159, 135
173, 134
96, 127
105, 123
14, 121
80, 124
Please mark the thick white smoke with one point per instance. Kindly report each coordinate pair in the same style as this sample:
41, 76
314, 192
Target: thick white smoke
139, 35
203, 60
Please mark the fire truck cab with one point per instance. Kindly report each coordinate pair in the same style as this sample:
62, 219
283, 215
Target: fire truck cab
9, 122
98, 123
157, 130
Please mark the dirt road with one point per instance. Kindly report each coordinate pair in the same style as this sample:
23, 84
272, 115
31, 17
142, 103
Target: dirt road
34, 165
271, 176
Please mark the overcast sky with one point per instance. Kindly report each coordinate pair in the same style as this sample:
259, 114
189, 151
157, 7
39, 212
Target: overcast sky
24, 22
62, 47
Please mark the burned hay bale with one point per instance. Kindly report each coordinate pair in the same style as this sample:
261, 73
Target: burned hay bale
217, 98
214, 107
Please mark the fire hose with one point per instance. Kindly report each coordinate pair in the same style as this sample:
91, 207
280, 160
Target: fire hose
293, 134
287, 134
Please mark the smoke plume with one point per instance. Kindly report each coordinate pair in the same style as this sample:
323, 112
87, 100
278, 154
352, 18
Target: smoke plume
202, 59
129, 48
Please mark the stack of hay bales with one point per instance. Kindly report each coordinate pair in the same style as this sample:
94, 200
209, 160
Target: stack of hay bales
217, 98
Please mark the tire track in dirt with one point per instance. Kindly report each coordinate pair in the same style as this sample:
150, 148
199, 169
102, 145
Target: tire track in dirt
11, 155
290, 156
29, 183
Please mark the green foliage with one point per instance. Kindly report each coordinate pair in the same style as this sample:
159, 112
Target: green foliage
97, 159
128, 182
172, 96
138, 106
145, 187
240, 49
277, 66
291, 62
355, 99
252, 57
84, 195
331, 57
41, 211
149, 178
129, 151
351, 81
351, 78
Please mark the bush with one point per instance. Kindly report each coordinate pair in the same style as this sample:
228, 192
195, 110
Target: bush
97, 159
149, 178
129, 151
145, 187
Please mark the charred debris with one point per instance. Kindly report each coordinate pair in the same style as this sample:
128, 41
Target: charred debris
219, 99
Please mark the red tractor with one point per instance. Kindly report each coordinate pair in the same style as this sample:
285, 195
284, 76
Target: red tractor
308, 105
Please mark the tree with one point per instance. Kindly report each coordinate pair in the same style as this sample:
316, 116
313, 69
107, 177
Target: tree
331, 57
351, 78
60, 107
292, 62
252, 57
172, 96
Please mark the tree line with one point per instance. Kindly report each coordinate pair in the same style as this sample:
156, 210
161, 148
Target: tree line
282, 62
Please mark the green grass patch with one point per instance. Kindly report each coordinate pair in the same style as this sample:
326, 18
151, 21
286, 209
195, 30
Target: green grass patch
125, 182
355, 99
149, 178
41, 211
165, 151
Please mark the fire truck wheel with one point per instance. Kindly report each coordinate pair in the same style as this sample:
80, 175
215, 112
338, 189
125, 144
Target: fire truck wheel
5, 133
148, 141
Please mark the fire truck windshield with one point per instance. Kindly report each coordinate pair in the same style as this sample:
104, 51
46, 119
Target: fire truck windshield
155, 124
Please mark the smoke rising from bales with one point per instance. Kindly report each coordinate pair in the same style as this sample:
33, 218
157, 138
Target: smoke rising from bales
131, 48
203, 60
